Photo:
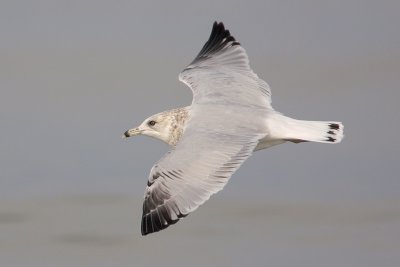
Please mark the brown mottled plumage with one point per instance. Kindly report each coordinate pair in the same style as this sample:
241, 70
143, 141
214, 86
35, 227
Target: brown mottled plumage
178, 117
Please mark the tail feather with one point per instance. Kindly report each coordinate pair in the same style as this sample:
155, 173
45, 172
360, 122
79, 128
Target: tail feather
298, 131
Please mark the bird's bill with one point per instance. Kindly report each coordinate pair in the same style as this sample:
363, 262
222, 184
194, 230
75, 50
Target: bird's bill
132, 132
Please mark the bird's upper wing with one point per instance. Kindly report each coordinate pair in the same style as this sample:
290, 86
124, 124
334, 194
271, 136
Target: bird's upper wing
221, 74
206, 156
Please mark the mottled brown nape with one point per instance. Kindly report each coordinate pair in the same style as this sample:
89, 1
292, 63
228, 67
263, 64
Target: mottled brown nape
179, 117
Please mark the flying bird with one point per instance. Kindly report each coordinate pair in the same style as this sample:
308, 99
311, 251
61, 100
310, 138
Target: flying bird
230, 117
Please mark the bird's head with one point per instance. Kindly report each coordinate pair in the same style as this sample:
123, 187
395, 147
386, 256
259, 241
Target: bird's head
157, 126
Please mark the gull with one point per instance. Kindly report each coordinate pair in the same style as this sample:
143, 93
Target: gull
230, 117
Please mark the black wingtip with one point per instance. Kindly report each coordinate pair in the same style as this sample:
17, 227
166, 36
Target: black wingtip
157, 220
219, 39
152, 223
219, 27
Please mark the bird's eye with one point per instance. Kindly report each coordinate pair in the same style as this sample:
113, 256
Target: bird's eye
152, 123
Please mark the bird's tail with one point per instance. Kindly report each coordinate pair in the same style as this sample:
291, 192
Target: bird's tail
288, 129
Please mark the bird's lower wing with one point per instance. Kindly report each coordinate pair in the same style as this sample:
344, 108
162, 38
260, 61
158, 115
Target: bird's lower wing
199, 166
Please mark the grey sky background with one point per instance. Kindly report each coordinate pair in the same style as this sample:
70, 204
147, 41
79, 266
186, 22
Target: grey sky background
74, 75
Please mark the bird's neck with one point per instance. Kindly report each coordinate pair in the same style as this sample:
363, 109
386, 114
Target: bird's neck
179, 118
